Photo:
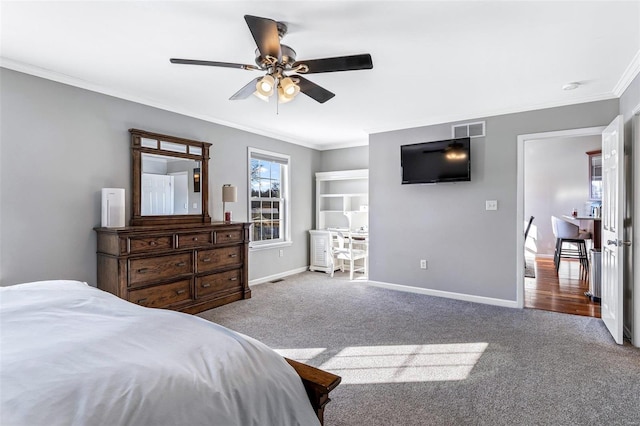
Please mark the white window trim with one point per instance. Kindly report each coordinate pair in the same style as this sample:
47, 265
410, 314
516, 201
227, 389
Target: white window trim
286, 240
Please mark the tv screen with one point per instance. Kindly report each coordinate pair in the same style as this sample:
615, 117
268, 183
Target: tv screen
433, 162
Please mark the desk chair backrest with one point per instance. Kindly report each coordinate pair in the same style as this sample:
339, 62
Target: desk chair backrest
343, 241
564, 229
526, 231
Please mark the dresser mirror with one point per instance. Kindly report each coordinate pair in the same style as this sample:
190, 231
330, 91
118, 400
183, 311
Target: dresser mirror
170, 179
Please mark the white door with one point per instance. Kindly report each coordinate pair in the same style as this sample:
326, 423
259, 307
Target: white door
157, 194
180, 192
613, 227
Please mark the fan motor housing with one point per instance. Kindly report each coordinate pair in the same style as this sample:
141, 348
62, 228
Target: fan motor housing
288, 58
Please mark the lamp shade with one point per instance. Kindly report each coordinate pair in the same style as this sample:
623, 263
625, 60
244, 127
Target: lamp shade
265, 85
229, 193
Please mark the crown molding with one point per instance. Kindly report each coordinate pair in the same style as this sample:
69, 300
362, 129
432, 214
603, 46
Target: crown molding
448, 119
628, 75
87, 85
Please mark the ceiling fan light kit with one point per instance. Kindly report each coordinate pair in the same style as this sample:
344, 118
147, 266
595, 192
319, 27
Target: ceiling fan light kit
265, 85
282, 69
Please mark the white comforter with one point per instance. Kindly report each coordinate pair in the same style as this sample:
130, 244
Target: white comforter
74, 355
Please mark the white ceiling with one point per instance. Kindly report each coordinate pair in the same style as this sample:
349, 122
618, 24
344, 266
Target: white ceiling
434, 61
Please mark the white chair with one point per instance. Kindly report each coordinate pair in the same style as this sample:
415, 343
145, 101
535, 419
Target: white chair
344, 251
566, 232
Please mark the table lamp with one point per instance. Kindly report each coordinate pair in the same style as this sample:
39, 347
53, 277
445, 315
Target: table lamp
229, 195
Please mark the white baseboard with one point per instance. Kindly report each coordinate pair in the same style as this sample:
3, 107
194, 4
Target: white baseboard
270, 278
447, 294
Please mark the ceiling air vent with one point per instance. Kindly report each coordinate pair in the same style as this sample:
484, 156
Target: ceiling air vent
472, 130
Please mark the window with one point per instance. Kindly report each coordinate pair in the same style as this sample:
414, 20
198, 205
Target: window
268, 197
595, 174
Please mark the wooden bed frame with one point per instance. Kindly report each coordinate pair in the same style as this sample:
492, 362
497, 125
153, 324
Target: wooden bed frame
318, 383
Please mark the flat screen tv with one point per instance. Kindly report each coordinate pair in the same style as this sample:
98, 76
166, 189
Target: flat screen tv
434, 162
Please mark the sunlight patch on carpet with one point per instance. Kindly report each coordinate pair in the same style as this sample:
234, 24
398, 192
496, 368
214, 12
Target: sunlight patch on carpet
301, 354
405, 363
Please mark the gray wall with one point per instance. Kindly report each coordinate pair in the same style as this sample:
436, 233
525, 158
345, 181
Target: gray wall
344, 159
469, 250
629, 101
59, 145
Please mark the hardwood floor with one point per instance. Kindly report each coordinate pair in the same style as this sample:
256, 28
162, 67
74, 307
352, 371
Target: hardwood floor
561, 292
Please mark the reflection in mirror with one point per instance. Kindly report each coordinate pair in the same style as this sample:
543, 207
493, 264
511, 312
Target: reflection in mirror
168, 186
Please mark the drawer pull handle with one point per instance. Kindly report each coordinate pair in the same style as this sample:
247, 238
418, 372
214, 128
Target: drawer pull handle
153, 243
207, 285
179, 292
141, 300
233, 279
228, 235
233, 255
180, 264
143, 270
195, 238
206, 259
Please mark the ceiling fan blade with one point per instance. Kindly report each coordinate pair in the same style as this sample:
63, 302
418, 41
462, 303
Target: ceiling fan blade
246, 91
213, 64
340, 63
314, 91
265, 33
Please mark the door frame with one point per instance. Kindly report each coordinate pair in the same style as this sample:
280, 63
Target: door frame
635, 234
587, 131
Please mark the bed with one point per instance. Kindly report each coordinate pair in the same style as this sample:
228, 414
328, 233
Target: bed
72, 354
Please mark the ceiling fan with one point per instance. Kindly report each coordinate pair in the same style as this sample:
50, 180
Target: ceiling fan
282, 69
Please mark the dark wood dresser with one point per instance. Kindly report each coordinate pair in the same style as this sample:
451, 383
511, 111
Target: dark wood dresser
188, 268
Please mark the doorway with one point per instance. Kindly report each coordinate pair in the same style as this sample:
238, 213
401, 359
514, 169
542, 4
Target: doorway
563, 290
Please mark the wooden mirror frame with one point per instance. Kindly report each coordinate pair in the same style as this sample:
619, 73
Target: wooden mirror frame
137, 219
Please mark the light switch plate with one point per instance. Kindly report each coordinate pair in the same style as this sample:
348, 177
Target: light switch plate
491, 205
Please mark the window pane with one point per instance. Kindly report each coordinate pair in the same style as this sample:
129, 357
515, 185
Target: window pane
275, 210
275, 189
255, 210
596, 189
264, 169
264, 188
275, 229
257, 232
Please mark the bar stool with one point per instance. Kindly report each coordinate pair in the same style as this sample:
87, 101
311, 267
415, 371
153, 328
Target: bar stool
569, 233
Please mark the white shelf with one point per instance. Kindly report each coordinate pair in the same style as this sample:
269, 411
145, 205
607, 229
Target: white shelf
342, 199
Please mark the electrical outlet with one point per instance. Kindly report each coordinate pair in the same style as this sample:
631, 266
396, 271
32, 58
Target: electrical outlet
423, 264
281, 253
491, 205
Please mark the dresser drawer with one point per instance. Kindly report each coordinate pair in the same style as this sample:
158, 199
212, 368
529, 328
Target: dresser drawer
215, 283
208, 260
195, 240
232, 236
145, 270
159, 296
149, 243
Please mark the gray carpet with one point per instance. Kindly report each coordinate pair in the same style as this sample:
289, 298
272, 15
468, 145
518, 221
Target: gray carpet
538, 367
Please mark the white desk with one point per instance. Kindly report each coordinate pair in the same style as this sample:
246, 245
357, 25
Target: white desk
321, 242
